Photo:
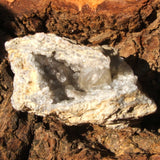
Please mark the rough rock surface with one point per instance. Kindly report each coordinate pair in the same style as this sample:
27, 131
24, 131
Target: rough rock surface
78, 83
140, 47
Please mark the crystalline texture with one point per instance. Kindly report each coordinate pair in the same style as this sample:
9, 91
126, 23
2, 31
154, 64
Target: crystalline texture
80, 84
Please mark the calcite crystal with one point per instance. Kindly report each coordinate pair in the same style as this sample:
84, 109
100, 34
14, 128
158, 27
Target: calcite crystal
79, 84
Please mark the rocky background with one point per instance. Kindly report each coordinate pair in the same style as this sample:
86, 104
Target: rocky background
131, 26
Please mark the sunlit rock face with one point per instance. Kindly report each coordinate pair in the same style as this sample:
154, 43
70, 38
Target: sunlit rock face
79, 84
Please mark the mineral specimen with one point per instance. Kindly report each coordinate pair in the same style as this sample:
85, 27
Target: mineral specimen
79, 84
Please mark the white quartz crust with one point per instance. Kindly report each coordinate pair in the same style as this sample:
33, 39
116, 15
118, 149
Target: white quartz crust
80, 84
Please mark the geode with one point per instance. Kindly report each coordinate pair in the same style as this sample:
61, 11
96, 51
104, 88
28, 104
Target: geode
79, 84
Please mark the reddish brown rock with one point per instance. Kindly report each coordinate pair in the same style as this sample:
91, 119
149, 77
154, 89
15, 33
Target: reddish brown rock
144, 45
131, 26
93, 142
78, 17
15, 128
155, 157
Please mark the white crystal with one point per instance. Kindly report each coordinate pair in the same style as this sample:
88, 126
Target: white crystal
80, 84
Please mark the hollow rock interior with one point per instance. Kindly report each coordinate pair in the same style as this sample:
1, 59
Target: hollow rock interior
80, 84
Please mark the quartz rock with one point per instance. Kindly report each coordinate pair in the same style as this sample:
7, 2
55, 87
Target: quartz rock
79, 84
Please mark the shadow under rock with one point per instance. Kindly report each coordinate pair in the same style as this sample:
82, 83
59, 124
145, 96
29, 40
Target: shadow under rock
6, 29
79, 133
76, 132
149, 81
